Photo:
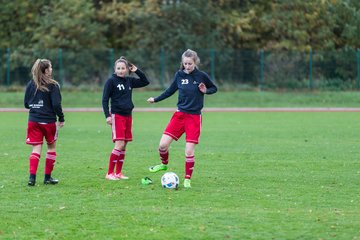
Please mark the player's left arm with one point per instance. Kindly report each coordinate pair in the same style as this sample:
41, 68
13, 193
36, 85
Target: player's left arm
56, 102
142, 81
207, 86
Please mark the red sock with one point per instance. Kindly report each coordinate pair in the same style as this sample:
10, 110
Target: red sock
189, 166
120, 161
50, 162
164, 156
34, 163
113, 158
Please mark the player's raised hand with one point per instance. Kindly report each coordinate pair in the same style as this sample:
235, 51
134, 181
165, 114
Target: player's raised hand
132, 67
202, 88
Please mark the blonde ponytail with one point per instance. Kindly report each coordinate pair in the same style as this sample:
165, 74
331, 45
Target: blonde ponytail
38, 72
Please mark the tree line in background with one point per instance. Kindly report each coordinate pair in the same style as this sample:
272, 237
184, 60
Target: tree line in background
179, 24
267, 43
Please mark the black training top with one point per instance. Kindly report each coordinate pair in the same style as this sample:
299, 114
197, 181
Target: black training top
119, 90
44, 105
191, 99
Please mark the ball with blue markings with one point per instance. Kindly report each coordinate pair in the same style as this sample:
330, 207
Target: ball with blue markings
170, 180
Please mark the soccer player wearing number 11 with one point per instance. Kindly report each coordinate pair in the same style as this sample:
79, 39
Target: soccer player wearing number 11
192, 85
118, 90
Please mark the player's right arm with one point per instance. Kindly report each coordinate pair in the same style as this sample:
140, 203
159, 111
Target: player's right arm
167, 93
106, 98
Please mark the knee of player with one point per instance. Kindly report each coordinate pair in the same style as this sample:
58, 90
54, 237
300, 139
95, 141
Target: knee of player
120, 145
189, 152
163, 147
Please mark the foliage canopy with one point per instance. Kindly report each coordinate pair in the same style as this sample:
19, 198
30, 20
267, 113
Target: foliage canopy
178, 24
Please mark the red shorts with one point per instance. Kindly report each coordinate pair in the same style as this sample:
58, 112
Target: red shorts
121, 127
37, 131
184, 122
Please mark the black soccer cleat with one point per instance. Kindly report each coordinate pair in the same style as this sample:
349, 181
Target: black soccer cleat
32, 180
50, 180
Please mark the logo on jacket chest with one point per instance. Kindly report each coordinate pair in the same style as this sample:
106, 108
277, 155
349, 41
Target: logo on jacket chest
186, 81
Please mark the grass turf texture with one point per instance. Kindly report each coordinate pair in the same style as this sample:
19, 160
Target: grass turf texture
221, 99
257, 176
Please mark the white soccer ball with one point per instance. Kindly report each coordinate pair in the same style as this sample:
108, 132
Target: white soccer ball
170, 180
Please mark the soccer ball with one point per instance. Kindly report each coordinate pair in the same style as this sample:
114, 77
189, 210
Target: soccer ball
170, 180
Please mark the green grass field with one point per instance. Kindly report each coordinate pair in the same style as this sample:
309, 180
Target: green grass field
257, 176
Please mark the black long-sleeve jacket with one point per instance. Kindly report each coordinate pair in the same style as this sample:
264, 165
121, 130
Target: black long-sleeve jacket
119, 90
191, 99
44, 105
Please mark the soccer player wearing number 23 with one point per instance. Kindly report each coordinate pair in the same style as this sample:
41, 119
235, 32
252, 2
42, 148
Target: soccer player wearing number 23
192, 84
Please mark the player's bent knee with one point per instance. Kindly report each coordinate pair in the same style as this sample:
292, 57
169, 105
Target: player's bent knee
163, 147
